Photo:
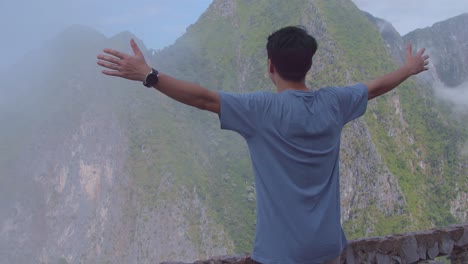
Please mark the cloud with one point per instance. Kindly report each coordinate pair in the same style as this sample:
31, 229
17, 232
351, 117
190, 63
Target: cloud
458, 96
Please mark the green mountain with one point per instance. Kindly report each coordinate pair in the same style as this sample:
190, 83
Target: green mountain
102, 170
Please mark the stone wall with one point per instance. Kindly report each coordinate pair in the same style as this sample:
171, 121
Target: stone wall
417, 247
411, 247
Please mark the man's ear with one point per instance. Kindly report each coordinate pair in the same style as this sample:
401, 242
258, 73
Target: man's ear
271, 67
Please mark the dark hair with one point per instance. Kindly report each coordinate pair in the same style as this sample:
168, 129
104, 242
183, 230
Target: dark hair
291, 50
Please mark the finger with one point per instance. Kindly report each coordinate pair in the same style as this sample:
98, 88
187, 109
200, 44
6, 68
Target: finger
408, 49
425, 57
426, 63
108, 58
112, 73
135, 48
421, 52
111, 66
116, 53
425, 68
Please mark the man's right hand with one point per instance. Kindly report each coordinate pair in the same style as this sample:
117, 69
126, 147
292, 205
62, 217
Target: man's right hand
414, 64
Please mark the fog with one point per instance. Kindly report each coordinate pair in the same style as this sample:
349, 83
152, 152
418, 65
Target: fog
456, 96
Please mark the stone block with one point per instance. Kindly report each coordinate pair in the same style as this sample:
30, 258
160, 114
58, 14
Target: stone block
349, 256
383, 259
422, 251
433, 251
463, 241
409, 250
446, 246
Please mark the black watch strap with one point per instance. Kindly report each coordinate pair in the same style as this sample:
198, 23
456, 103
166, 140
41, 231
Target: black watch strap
151, 79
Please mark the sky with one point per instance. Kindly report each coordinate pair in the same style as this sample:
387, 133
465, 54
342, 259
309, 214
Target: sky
27, 24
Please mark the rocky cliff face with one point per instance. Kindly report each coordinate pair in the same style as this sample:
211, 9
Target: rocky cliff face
100, 170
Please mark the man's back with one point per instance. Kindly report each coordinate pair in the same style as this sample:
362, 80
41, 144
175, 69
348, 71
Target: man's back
294, 142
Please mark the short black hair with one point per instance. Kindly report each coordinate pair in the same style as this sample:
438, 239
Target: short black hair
291, 50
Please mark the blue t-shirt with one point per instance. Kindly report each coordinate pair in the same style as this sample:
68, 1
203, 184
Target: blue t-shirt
294, 143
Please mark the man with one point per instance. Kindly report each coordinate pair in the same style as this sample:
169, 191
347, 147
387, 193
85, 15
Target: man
293, 138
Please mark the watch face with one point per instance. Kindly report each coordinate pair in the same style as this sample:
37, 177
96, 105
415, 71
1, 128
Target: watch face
151, 79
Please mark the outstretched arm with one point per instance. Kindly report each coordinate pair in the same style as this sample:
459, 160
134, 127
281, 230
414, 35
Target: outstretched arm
134, 67
414, 64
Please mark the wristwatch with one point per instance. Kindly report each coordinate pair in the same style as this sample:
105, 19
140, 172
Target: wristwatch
151, 79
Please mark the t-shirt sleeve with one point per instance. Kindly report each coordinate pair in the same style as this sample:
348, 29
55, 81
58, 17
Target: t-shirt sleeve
352, 101
240, 112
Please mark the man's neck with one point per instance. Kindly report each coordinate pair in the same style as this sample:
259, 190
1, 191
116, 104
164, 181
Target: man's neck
282, 85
